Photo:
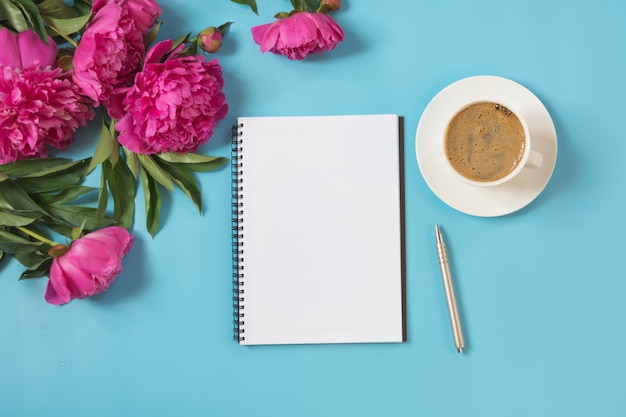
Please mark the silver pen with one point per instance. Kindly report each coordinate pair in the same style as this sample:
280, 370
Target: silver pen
449, 290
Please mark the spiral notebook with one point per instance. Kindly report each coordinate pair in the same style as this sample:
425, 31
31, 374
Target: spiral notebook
318, 229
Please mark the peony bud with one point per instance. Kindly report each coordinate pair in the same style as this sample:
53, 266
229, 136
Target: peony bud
332, 4
210, 40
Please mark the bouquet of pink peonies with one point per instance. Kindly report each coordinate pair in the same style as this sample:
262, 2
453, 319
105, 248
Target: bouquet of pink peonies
159, 101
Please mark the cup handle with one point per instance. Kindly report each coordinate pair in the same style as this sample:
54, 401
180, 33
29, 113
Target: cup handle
535, 159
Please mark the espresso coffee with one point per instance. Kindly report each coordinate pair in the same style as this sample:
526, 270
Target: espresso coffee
485, 141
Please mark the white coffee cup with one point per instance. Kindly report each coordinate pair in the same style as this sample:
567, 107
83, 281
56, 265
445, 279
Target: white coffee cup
488, 143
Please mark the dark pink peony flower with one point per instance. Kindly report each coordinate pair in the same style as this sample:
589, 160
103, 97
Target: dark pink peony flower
39, 105
298, 35
89, 265
174, 105
111, 49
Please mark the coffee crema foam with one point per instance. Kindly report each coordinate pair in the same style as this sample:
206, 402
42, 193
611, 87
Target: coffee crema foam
485, 142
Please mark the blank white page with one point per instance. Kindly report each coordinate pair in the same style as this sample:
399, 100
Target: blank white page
322, 230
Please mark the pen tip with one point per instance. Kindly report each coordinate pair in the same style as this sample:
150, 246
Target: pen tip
460, 350
438, 235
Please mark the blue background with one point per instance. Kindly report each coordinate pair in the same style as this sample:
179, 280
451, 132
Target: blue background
541, 291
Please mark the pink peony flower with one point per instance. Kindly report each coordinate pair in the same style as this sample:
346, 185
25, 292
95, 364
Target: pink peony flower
174, 105
298, 35
111, 49
89, 265
39, 106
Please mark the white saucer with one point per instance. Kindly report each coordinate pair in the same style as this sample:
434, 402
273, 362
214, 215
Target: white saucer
475, 200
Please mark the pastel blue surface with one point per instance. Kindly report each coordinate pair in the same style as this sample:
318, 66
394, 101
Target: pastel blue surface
541, 291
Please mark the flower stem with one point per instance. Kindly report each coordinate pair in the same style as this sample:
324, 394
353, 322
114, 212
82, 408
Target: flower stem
36, 236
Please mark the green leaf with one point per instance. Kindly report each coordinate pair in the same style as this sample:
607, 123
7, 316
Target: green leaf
104, 148
25, 251
190, 49
82, 7
29, 259
54, 178
132, 162
175, 44
57, 9
122, 185
77, 232
124, 204
223, 27
12, 243
193, 162
12, 219
156, 172
13, 14
186, 183
60, 228
191, 158
68, 167
14, 198
76, 215
305, 5
38, 270
14, 247
152, 201
251, 3
26, 167
66, 26
103, 196
150, 37
66, 195
30, 10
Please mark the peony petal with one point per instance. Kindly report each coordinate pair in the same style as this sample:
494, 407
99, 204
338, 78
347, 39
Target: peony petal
259, 33
127, 137
34, 51
58, 290
93, 257
298, 29
158, 51
144, 13
80, 282
116, 238
272, 38
67, 282
10, 55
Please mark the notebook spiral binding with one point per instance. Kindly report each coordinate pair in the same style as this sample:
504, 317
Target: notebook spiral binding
237, 232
